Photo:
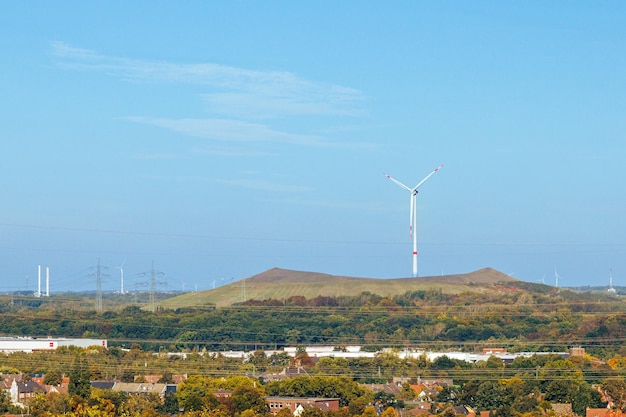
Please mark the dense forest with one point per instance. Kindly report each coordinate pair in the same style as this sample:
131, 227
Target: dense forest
518, 318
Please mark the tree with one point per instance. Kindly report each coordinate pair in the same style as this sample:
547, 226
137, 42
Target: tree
285, 412
561, 391
469, 392
407, 392
5, 403
490, 395
141, 405
389, 412
384, 399
312, 412
449, 412
194, 395
105, 396
170, 404
79, 375
259, 360
53, 376
586, 397
443, 362
504, 411
447, 395
615, 388
249, 398
369, 411
525, 404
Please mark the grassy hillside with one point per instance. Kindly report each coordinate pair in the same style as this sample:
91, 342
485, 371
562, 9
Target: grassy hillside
281, 284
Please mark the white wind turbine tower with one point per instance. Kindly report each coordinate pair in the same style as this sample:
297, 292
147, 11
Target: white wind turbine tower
413, 212
121, 268
611, 289
556, 278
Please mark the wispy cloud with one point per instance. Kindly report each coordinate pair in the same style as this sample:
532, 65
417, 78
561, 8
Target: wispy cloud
229, 130
239, 92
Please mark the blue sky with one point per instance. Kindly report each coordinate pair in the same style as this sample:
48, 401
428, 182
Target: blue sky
221, 139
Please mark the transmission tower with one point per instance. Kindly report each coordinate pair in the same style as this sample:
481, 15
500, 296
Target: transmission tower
98, 288
100, 273
152, 285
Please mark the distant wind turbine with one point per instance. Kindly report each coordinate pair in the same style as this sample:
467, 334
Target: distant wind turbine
611, 289
556, 278
413, 212
121, 268
543, 279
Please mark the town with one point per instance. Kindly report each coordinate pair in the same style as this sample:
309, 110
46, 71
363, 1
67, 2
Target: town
302, 384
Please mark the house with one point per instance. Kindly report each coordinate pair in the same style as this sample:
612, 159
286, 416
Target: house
223, 393
393, 389
134, 388
62, 388
419, 412
102, 384
562, 410
22, 392
425, 393
151, 379
297, 404
56, 389
604, 412
464, 410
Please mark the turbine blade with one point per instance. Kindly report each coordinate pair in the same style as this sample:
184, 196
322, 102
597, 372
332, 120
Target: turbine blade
427, 177
398, 182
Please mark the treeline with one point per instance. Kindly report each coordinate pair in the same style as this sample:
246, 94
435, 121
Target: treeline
516, 318
525, 387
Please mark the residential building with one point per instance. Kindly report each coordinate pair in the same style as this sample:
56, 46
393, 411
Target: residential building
296, 404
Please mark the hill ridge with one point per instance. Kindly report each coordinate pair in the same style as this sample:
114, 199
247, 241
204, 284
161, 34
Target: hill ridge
280, 284
483, 275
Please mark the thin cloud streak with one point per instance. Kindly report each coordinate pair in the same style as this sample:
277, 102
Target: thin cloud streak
275, 93
229, 130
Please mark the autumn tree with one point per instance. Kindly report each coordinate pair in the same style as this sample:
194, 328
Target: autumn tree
249, 398
79, 375
615, 388
194, 395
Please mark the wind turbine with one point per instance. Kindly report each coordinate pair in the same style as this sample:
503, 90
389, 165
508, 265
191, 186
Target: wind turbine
121, 268
611, 289
413, 212
556, 278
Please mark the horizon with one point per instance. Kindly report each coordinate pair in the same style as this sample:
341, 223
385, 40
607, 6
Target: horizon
221, 140
166, 288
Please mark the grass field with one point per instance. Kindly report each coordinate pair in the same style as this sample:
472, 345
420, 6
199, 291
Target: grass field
280, 284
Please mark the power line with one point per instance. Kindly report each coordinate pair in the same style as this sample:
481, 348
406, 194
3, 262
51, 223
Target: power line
290, 240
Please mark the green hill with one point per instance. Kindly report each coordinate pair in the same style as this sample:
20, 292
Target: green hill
281, 284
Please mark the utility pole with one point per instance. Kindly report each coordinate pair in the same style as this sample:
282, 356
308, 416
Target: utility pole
98, 288
100, 273
152, 287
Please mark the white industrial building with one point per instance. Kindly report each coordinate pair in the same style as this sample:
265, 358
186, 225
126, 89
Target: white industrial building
30, 344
